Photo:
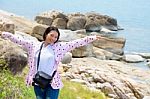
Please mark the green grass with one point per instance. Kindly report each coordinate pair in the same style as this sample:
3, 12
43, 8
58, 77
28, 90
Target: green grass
13, 87
72, 90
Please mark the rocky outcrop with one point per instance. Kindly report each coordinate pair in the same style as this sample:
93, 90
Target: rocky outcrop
91, 21
96, 20
53, 18
117, 80
16, 23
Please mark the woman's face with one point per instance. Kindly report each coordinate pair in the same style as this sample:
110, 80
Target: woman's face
51, 37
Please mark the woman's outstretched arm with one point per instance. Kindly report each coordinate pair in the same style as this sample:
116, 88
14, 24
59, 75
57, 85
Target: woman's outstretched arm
27, 45
68, 46
18, 40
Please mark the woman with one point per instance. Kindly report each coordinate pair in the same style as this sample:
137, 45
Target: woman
51, 54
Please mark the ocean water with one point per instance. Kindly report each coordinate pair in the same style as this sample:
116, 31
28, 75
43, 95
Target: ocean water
132, 15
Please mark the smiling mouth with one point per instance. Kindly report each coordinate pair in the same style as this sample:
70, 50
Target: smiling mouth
51, 41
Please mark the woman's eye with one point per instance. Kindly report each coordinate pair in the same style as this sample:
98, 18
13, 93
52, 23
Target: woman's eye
52, 35
56, 37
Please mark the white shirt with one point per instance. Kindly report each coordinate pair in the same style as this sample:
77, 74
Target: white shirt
46, 63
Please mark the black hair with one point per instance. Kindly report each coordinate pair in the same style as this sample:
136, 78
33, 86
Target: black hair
49, 29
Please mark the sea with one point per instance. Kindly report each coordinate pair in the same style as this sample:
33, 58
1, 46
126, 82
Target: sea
132, 15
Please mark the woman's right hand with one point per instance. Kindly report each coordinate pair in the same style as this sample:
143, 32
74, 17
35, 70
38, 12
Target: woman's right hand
4, 36
29, 80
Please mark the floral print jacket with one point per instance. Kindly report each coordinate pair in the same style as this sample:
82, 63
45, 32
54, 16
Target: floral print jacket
60, 48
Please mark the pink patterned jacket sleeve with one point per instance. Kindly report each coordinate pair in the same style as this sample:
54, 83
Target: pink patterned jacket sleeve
26, 44
62, 47
68, 46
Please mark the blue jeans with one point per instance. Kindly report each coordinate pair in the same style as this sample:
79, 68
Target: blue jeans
47, 93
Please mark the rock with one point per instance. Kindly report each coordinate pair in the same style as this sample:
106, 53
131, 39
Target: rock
99, 54
92, 26
148, 64
105, 55
66, 68
15, 56
60, 23
101, 20
114, 45
146, 97
144, 55
1, 26
67, 35
78, 80
107, 88
76, 22
54, 14
148, 60
38, 31
133, 58
111, 27
82, 31
83, 51
43, 20
25, 36
7, 25
105, 30
98, 79
67, 58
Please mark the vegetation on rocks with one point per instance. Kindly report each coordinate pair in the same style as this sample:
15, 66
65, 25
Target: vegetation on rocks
13, 87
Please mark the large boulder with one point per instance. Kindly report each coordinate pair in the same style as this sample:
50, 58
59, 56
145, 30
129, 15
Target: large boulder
59, 23
105, 55
76, 21
92, 25
114, 45
38, 31
43, 20
15, 57
83, 51
96, 20
52, 18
